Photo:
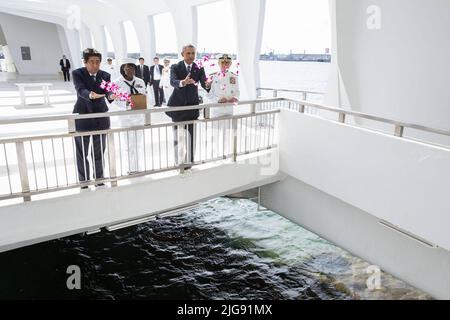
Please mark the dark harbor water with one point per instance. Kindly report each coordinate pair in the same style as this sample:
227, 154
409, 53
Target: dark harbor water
225, 249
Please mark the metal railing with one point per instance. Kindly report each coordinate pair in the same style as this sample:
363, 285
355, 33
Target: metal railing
304, 96
275, 92
39, 164
343, 115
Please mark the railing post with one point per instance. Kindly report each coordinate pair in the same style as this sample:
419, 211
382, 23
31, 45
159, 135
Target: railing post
71, 125
275, 93
342, 117
302, 106
235, 138
399, 131
181, 147
253, 108
112, 159
148, 119
207, 113
304, 95
23, 170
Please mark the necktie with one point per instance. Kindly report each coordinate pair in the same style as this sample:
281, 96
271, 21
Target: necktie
94, 78
189, 69
133, 90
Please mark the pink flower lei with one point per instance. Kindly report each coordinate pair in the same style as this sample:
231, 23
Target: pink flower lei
114, 88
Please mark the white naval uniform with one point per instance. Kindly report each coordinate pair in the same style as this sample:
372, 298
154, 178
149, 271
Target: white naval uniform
165, 83
112, 70
223, 86
132, 141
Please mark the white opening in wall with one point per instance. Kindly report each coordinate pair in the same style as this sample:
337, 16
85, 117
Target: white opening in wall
296, 42
109, 42
133, 48
165, 35
215, 28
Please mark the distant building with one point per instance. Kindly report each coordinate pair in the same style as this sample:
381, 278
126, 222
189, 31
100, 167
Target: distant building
297, 57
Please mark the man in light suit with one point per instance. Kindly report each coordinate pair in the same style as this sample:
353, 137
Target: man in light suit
184, 77
91, 99
155, 79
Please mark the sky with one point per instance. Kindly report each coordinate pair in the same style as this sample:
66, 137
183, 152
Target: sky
297, 25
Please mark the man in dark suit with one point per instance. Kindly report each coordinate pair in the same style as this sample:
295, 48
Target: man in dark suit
184, 77
143, 71
155, 80
91, 99
65, 68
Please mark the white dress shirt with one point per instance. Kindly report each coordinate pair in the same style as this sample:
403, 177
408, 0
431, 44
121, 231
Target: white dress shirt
186, 65
156, 73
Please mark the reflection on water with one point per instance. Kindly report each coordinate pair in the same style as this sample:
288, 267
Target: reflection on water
225, 249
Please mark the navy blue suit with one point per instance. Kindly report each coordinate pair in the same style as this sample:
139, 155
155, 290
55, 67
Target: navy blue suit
84, 84
188, 95
185, 96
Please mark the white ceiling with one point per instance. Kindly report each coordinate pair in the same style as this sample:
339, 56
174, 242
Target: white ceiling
93, 12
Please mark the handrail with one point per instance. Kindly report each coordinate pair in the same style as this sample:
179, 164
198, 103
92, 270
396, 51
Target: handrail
342, 112
290, 90
15, 120
117, 130
399, 124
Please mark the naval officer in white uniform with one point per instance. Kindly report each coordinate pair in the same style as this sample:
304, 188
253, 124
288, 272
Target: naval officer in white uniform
111, 69
132, 141
224, 89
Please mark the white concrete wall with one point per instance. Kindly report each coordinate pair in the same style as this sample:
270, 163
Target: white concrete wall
403, 182
42, 220
361, 234
41, 37
399, 71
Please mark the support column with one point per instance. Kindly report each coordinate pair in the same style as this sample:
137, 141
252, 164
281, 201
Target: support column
146, 35
186, 22
100, 40
73, 41
86, 39
118, 39
248, 30
335, 94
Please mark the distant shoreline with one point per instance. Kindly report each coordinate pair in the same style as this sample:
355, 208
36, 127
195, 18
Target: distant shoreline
318, 61
296, 57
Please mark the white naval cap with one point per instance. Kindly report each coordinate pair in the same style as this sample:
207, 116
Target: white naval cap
224, 56
127, 61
